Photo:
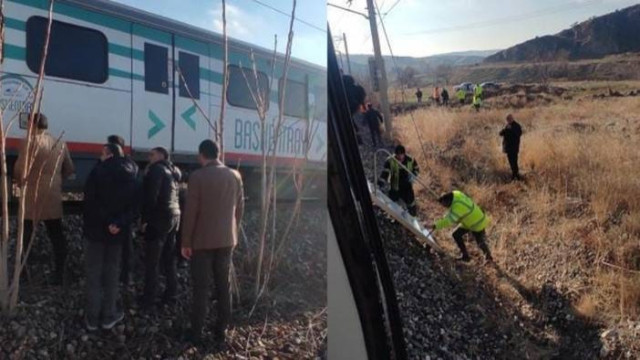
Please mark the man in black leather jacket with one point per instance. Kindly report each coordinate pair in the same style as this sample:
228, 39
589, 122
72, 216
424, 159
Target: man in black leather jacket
108, 215
128, 254
160, 221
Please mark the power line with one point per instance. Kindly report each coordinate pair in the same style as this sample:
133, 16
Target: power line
402, 95
507, 19
391, 8
289, 15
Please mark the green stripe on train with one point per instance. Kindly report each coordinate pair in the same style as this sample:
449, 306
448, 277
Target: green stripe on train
80, 14
15, 52
19, 53
125, 74
209, 50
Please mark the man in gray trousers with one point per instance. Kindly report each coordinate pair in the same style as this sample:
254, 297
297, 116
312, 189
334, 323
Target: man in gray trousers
108, 214
213, 211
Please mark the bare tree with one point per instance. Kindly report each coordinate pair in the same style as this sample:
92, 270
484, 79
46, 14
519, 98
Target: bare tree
9, 290
407, 76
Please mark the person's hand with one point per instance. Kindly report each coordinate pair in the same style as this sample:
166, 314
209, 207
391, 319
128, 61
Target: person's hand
186, 253
114, 229
412, 178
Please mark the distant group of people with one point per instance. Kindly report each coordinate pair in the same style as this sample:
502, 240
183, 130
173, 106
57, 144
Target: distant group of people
116, 196
440, 97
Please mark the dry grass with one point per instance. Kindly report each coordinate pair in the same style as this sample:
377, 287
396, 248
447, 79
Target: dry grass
580, 207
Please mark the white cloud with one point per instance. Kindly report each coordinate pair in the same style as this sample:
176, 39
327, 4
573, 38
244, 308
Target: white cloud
236, 18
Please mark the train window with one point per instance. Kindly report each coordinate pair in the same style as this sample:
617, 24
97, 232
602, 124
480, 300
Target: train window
75, 52
156, 71
296, 99
238, 93
190, 69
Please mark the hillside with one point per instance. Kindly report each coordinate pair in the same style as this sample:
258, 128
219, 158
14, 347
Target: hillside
610, 68
359, 62
614, 33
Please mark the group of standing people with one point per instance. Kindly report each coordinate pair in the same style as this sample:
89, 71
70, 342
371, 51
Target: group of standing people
118, 199
440, 97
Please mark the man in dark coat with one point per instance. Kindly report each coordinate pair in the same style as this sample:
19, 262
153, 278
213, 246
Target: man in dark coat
373, 119
399, 179
127, 247
108, 215
160, 219
356, 95
511, 134
445, 97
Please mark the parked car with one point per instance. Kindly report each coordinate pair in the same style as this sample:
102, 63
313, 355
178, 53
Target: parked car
467, 87
490, 85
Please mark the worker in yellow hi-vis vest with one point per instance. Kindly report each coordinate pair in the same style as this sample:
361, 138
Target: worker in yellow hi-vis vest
470, 218
399, 179
461, 94
477, 97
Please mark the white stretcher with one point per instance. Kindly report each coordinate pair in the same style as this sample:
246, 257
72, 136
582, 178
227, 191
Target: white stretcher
401, 215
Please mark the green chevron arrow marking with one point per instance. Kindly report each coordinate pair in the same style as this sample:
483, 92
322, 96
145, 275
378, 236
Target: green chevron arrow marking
157, 125
187, 117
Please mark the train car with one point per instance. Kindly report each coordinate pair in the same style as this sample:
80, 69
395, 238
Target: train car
113, 69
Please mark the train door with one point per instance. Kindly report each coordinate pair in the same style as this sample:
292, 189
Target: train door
192, 95
153, 94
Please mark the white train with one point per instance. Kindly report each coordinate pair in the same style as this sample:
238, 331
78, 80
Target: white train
113, 69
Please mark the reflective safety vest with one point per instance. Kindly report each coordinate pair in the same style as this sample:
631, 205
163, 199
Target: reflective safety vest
461, 94
477, 100
478, 90
465, 212
395, 172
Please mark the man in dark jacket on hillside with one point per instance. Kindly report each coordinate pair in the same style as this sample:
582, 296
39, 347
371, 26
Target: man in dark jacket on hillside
160, 219
373, 119
511, 134
399, 179
127, 247
108, 214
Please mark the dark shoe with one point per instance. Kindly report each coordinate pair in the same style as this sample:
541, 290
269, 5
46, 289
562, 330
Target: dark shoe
220, 336
145, 303
91, 325
464, 258
126, 281
193, 338
169, 299
109, 324
58, 278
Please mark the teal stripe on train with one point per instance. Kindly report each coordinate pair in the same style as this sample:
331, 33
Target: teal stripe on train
125, 74
15, 24
209, 50
79, 13
14, 52
19, 53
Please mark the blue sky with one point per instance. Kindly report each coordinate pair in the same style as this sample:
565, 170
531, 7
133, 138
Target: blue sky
251, 22
427, 27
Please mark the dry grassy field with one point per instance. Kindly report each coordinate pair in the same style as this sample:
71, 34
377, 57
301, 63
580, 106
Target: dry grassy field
574, 221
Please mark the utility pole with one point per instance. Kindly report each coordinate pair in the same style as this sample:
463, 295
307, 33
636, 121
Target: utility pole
384, 95
346, 50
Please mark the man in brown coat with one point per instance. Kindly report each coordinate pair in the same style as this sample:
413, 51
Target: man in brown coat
214, 207
52, 163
